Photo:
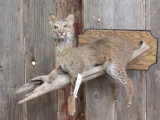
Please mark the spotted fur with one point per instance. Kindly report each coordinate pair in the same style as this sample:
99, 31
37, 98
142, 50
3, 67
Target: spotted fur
111, 52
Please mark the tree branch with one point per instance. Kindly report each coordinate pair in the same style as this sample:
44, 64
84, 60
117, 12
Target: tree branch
40, 87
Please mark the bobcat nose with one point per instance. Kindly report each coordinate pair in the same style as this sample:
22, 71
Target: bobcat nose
61, 33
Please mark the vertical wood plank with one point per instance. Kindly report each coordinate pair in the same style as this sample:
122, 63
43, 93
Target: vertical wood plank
153, 76
130, 14
98, 9
64, 8
99, 92
11, 59
39, 48
100, 103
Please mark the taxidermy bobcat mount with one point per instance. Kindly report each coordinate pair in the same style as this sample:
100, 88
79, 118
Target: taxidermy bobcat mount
111, 53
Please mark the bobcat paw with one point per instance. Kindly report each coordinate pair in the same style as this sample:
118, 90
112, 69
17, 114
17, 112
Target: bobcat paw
49, 81
116, 97
128, 102
46, 79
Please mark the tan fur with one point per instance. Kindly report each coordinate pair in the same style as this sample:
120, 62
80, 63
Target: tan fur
110, 51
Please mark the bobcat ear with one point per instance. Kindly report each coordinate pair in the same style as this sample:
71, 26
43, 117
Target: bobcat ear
70, 19
52, 19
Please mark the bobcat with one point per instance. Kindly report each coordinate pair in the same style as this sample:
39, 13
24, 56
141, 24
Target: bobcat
111, 52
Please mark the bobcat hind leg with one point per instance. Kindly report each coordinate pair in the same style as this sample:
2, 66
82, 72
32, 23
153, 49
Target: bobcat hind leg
116, 91
119, 74
116, 86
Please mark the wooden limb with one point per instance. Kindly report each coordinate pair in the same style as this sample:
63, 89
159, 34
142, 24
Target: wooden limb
62, 81
31, 85
144, 47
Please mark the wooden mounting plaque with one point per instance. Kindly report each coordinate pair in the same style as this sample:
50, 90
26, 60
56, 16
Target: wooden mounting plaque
142, 62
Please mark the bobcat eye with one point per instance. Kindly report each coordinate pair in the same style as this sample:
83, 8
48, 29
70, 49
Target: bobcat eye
65, 26
55, 27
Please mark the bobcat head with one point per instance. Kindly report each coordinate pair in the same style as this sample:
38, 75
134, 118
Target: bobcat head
62, 29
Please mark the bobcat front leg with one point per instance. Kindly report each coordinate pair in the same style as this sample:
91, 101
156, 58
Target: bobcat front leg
71, 99
47, 78
54, 73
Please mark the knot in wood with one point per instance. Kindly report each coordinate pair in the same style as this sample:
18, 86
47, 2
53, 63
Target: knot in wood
96, 95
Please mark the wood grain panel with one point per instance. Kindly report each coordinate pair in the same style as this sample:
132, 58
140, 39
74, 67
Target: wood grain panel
97, 98
39, 48
11, 59
143, 61
153, 75
98, 14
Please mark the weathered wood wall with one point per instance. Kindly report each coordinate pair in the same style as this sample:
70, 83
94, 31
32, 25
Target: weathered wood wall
11, 59
39, 48
25, 37
124, 14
